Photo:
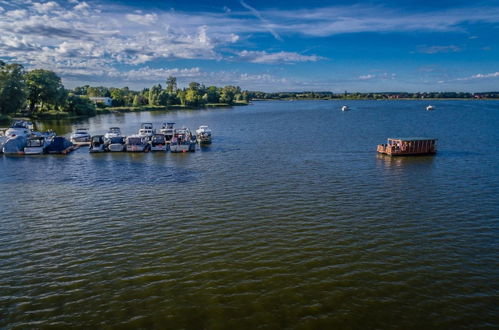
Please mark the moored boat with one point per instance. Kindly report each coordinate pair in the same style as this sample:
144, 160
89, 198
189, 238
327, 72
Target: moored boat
146, 130
116, 144
203, 135
15, 145
97, 144
60, 145
158, 143
183, 141
81, 136
168, 130
112, 132
345, 108
137, 143
430, 108
36, 145
19, 127
408, 146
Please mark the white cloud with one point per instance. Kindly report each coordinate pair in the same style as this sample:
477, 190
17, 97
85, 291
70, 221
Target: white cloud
480, 76
279, 57
45, 7
367, 77
146, 19
439, 49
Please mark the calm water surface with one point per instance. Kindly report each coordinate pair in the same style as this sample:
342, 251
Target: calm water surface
289, 220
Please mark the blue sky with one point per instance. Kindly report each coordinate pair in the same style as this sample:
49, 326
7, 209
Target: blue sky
259, 45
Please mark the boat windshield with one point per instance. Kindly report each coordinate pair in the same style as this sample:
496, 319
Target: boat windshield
35, 143
135, 141
117, 140
158, 139
97, 139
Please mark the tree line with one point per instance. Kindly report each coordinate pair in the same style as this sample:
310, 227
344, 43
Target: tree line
195, 95
371, 96
37, 91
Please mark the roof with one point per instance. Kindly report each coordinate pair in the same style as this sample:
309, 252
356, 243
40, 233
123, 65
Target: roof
412, 138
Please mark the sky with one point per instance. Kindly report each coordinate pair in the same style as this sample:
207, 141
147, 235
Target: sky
366, 46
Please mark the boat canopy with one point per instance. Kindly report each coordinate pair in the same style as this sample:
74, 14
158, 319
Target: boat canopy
408, 139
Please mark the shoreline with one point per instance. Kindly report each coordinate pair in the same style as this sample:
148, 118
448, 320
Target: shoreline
55, 115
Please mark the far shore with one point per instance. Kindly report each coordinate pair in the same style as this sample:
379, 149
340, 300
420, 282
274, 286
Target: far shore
53, 114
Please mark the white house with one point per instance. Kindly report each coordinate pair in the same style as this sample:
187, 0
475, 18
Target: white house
107, 101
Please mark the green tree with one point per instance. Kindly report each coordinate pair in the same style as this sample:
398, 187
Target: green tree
137, 101
181, 97
44, 87
12, 85
99, 91
153, 95
212, 94
171, 85
79, 105
228, 93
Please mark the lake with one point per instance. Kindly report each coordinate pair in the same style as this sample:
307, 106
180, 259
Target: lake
288, 220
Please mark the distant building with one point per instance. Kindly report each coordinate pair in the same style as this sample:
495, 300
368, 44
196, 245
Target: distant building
107, 101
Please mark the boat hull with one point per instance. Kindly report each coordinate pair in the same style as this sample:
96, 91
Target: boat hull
34, 150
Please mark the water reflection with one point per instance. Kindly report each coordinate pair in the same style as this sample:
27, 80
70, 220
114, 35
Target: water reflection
390, 162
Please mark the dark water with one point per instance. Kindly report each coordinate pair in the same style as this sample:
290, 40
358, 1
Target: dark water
289, 220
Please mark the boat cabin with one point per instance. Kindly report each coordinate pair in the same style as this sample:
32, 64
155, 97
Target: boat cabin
408, 146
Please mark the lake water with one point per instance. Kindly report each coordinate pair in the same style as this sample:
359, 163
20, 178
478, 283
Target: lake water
289, 220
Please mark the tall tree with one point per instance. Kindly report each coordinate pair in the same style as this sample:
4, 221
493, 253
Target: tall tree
44, 88
12, 85
171, 85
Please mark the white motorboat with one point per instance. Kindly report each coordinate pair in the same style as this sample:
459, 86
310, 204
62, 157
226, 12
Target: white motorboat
137, 143
203, 134
37, 145
81, 136
97, 144
112, 132
168, 130
158, 143
19, 128
345, 108
15, 145
146, 130
116, 144
430, 108
183, 141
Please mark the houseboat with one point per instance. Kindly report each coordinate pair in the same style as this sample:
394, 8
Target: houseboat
81, 137
408, 146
